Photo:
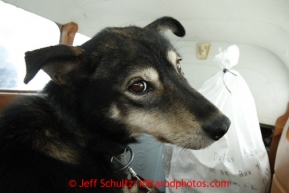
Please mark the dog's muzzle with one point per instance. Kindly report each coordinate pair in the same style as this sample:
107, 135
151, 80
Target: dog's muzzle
218, 127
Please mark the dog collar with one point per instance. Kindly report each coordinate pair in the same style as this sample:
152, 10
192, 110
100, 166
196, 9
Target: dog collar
127, 165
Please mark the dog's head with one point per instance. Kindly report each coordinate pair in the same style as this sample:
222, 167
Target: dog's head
128, 81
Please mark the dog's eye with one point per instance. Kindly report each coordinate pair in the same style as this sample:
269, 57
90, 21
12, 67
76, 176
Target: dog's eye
179, 65
139, 86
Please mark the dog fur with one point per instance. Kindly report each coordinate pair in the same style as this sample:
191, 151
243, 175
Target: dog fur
103, 94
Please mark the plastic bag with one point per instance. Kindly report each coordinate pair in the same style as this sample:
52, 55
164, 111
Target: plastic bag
238, 162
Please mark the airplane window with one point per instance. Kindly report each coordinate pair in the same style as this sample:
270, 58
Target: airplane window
22, 31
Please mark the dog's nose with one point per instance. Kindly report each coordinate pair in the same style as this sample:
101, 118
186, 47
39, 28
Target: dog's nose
217, 128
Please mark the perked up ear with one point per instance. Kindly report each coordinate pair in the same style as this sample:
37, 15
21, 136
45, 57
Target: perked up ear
166, 23
60, 62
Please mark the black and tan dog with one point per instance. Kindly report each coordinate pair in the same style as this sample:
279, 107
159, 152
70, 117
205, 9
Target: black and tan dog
103, 94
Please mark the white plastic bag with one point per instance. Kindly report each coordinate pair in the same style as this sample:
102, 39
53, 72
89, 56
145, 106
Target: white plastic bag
240, 157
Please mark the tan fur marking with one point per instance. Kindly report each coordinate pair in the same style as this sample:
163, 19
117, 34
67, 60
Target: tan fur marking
63, 153
147, 74
177, 127
76, 50
57, 150
114, 112
172, 57
151, 74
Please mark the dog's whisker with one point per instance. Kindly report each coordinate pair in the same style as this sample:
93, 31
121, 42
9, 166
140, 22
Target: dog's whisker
176, 41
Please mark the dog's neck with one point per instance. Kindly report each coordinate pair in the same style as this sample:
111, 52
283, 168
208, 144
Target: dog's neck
76, 117
92, 141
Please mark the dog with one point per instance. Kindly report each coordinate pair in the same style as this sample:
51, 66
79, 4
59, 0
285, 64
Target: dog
103, 94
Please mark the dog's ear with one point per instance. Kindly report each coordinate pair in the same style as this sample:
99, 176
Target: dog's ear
166, 23
60, 62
